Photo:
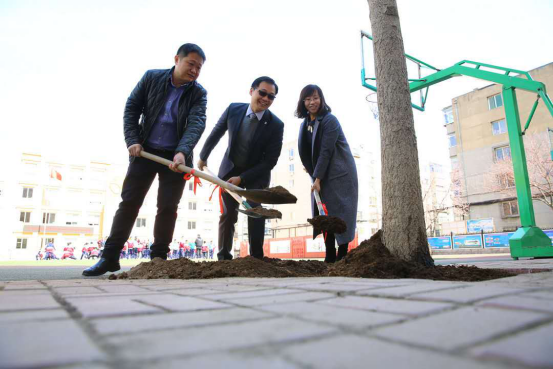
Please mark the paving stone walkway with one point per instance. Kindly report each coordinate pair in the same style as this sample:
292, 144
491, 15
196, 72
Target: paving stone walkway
277, 323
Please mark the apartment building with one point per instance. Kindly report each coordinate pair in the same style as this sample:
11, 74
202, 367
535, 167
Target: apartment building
436, 197
479, 145
47, 199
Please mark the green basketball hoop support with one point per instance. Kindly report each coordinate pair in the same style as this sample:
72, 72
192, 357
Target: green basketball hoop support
529, 240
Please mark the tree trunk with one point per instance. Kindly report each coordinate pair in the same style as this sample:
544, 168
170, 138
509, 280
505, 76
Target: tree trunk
403, 213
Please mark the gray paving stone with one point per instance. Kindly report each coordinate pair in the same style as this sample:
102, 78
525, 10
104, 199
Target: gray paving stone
280, 299
520, 302
223, 337
460, 328
14, 292
467, 294
32, 315
150, 322
231, 360
97, 307
542, 295
129, 288
20, 286
248, 294
349, 351
534, 347
85, 290
406, 290
335, 287
321, 313
40, 345
27, 302
193, 291
404, 307
181, 303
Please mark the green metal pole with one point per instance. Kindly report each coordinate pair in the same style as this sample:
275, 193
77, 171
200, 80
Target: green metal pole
529, 240
518, 156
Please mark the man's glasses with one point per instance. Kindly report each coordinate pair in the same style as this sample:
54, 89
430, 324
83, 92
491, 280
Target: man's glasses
266, 94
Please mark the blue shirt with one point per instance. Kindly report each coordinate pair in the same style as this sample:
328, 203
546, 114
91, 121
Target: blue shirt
164, 133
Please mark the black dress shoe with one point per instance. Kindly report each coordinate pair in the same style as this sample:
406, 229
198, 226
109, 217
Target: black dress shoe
102, 267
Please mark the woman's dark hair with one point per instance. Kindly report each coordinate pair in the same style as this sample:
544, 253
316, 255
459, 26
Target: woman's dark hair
301, 110
269, 80
186, 49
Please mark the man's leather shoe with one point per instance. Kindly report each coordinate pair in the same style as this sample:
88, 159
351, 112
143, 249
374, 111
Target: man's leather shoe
102, 267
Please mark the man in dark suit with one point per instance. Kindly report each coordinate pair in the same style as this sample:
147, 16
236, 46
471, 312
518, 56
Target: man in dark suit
255, 140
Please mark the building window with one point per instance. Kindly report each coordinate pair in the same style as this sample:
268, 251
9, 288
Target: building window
21, 243
448, 115
499, 127
191, 225
291, 168
191, 186
510, 208
505, 181
140, 222
93, 220
502, 153
72, 218
48, 218
25, 216
495, 101
454, 162
27, 193
96, 198
291, 153
191, 205
452, 140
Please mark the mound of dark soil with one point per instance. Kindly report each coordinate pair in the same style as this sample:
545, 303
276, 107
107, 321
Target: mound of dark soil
268, 213
328, 223
241, 267
370, 260
283, 194
373, 260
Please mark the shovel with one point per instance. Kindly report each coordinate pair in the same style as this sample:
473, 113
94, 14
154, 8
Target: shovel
319, 203
260, 196
242, 202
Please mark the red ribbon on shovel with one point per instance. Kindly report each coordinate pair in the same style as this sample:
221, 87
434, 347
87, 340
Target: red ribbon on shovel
197, 181
221, 190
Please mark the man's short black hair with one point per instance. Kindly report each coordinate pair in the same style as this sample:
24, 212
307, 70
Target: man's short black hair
186, 49
258, 81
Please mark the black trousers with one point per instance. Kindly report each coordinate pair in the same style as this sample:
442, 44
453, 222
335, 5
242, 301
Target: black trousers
256, 227
139, 178
330, 245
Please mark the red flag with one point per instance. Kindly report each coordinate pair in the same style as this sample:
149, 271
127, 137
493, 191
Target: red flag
55, 174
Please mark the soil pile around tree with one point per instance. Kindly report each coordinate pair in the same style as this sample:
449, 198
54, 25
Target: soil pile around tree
328, 223
370, 260
267, 213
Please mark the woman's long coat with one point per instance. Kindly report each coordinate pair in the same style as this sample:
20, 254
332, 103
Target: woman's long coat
329, 158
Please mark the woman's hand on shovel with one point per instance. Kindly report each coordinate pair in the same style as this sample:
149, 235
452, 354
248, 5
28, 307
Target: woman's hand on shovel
316, 185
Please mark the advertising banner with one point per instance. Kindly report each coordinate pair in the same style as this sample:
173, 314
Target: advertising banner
479, 225
438, 243
497, 239
280, 247
315, 245
471, 241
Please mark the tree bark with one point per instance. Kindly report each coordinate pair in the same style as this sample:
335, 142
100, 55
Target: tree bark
402, 207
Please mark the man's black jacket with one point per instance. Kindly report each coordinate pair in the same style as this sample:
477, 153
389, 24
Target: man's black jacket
147, 99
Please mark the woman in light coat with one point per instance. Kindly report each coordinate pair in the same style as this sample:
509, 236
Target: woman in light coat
326, 156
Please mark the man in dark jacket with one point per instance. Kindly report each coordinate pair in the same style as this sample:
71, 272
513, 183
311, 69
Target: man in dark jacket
164, 115
255, 140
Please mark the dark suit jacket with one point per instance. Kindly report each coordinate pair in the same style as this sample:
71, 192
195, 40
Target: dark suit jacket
264, 150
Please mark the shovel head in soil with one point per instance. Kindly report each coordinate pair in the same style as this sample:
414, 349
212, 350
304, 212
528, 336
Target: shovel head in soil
276, 195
